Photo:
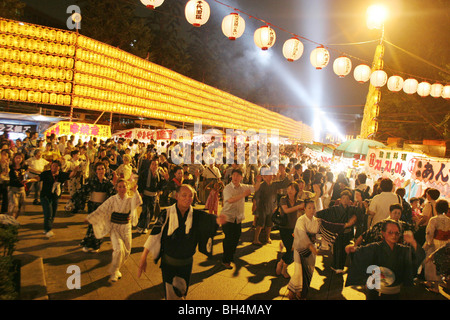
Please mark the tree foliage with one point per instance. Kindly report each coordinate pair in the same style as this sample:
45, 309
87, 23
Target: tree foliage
12, 9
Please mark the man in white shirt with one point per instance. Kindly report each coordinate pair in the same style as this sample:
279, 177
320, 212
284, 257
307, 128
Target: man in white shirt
233, 213
36, 165
379, 206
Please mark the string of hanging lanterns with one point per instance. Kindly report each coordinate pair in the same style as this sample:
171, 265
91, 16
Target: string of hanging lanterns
197, 13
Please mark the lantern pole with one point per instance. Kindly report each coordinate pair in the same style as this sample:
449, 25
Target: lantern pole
369, 124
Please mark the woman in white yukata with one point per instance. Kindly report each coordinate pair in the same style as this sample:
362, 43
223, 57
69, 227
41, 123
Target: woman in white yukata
116, 216
305, 252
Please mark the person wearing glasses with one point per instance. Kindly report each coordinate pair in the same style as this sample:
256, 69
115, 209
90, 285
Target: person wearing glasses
385, 266
374, 234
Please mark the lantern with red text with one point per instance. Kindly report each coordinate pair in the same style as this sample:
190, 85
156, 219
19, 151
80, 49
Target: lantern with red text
152, 4
436, 90
264, 37
395, 83
342, 66
378, 78
319, 57
410, 86
197, 12
424, 89
292, 49
446, 92
233, 26
362, 73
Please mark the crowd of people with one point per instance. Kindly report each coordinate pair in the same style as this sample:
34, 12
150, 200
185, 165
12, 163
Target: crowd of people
124, 184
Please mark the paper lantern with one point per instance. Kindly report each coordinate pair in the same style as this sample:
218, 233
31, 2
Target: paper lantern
319, 57
395, 83
446, 92
410, 86
152, 4
362, 73
197, 12
233, 26
424, 89
292, 49
378, 78
264, 37
436, 90
342, 66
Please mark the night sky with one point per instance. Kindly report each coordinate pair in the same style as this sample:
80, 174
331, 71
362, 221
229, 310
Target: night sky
340, 25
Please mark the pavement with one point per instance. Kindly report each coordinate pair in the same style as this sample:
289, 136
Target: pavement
48, 266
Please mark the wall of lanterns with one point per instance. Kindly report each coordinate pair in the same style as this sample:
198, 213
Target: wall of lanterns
50, 66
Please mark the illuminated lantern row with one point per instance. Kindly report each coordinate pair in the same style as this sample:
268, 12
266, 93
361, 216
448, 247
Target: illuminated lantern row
99, 77
197, 13
36, 63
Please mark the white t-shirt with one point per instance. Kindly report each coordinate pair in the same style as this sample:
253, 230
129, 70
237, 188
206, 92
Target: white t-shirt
380, 205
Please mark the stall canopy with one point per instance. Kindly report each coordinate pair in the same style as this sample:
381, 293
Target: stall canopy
353, 147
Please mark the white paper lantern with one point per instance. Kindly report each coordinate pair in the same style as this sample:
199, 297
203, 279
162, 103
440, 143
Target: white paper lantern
378, 78
436, 90
342, 66
319, 57
410, 86
197, 12
362, 73
423, 89
152, 4
233, 26
446, 92
264, 37
395, 83
293, 49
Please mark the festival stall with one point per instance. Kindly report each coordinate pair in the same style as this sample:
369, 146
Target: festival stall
411, 170
83, 131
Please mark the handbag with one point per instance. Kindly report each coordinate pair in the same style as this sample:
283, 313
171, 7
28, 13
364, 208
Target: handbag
278, 218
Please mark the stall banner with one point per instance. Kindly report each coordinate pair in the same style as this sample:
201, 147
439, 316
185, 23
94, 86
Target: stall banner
143, 135
433, 171
65, 128
397, 165
17, 128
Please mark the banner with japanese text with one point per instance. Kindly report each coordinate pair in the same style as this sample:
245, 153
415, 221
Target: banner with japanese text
427, 170
65, 128
397, 165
